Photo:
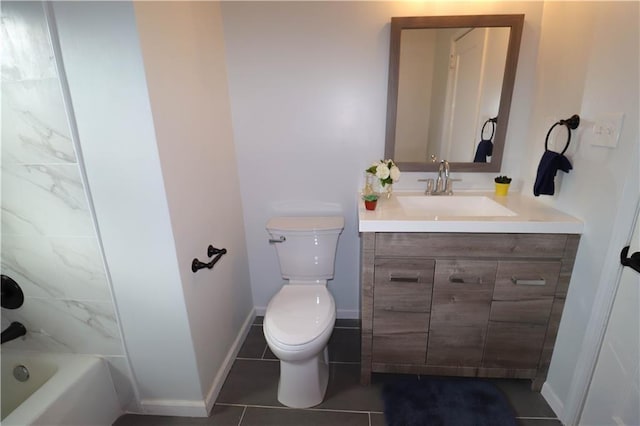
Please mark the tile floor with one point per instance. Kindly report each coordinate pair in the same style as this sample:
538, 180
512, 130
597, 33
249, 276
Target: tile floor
248, 396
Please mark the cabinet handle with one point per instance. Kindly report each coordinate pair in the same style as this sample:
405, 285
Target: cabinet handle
535, 281
404, 279
462, 280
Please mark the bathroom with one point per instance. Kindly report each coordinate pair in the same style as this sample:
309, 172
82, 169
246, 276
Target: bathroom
294, 112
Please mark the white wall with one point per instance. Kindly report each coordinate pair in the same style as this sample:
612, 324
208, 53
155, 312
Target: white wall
587, 67
149, 91
184, 61
105, 71
308, 88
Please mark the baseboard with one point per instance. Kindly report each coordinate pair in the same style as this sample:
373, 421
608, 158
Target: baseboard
218, 381
340, 313
174, 407
200, 408
348, 314
552, 399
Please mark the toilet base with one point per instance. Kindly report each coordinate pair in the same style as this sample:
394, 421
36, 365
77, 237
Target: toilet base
303, 384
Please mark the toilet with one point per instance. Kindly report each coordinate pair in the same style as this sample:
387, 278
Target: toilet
299, 319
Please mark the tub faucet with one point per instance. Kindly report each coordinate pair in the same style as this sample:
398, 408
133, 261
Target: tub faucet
14, 331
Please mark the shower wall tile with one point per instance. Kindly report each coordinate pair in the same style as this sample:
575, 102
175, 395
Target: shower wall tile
26, 49
67, 326
34, 124
56, 267
44, 200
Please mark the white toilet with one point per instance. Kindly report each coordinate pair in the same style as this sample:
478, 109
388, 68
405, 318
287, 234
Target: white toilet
300, 317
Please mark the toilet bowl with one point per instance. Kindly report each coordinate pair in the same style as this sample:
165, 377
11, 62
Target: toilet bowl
299, 319
297, 326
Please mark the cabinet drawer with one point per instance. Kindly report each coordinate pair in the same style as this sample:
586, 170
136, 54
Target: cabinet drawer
403, 285
456, 346
390, 322
511, 345
470, 245
408, 348
524, 291
526, 280
462, 292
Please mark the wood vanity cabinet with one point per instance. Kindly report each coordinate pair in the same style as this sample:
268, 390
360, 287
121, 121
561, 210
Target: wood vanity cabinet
463, 304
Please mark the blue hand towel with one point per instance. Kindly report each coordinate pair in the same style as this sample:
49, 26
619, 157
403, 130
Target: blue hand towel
550, 163
484, 150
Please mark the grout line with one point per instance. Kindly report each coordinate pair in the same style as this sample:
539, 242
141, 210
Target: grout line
256, 359
244, 410
369, 418
536, 418
272, 360
264, 351
332, 410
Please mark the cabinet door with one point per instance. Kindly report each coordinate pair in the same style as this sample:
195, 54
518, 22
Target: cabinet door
456, 346
520, 311
524, 291
401, 305
513, 345
403, 284
462, 293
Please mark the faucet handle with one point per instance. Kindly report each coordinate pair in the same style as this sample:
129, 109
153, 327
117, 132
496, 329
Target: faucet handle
430, 184
449, 188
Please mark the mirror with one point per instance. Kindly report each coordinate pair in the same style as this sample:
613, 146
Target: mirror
450, 87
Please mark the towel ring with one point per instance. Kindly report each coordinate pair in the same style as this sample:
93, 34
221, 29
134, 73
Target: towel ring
493, 128
572, 123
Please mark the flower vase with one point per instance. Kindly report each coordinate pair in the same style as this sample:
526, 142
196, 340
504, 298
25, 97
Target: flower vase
386, 190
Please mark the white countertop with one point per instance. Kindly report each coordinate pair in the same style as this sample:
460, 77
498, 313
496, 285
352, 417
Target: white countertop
531, 217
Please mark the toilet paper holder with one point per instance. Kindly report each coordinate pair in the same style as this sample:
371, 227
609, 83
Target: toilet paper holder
196, 264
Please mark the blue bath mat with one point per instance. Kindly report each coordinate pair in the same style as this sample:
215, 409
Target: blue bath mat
433, 401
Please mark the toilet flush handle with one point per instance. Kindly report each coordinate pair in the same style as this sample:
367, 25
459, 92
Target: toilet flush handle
282, 239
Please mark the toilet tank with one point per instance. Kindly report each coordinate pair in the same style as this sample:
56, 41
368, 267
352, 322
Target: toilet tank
307, 247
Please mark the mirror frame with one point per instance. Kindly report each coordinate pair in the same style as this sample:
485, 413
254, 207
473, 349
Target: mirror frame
515, 23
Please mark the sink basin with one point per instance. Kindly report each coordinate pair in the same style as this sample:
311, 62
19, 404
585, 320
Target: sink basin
452, 206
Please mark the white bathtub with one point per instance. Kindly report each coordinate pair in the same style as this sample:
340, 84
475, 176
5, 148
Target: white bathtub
61, 390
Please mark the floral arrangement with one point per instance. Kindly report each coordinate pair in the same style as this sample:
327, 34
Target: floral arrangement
502, 179
386, 171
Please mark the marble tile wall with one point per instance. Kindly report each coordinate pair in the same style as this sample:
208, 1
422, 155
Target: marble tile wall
49, 244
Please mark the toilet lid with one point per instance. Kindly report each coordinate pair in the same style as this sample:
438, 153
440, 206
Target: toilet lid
298, 314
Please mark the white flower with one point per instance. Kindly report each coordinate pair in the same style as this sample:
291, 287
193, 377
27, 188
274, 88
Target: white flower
394, 172
382, 171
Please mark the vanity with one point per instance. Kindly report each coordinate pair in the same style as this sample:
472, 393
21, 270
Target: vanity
468, 285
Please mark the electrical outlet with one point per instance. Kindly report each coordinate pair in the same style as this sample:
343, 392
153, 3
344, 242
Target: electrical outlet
606, 129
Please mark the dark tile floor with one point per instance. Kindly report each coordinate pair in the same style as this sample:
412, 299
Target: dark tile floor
249, 394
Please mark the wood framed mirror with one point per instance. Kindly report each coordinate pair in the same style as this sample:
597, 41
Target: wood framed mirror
448, 77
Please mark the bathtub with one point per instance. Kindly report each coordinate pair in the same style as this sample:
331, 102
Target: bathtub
61, 390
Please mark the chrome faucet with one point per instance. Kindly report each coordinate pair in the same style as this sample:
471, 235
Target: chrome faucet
443, 184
